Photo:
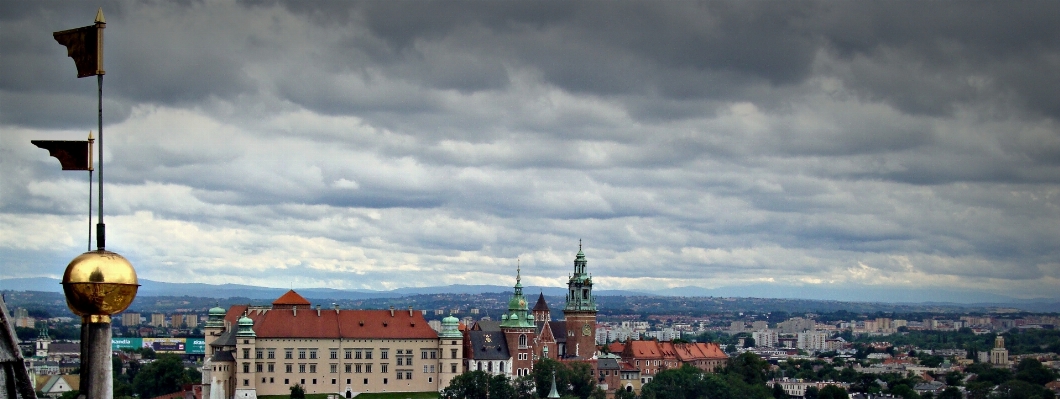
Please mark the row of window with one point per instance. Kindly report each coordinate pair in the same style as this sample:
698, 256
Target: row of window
287, 381
355, 353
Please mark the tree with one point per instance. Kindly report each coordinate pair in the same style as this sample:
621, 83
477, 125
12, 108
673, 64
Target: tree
779, 392
66, 395
749, 342
1016, 389
748, 367
164, 375
1032, 371
951, 393
832, 392
297, 391
812, 393
572, 379
469, 385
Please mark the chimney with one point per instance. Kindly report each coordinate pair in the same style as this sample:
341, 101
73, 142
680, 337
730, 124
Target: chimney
410, 310
391, 310
318, 310
336, 306
295, 309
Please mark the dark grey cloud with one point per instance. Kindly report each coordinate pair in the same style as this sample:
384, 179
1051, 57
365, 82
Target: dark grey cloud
892, 144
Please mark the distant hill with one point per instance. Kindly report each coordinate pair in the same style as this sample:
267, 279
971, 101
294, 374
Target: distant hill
948, 298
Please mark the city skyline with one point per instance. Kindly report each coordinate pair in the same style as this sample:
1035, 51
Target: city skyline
904, 146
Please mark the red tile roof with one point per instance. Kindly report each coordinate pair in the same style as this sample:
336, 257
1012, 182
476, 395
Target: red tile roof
331, 323
289, 300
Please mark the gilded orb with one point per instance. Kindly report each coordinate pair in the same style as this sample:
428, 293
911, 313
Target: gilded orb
99, 283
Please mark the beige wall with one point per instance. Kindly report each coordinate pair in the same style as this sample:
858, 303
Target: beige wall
305, 370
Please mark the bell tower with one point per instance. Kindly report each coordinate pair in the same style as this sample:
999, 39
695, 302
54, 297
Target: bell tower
580, 311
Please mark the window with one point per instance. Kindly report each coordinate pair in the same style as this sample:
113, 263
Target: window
272, 367
434, 354
384, 353
246, 367
368, 354
400, 360
452, 367
287, 353
357, 355
332, 381
301, 368
246, 353
399, 375
425, 368
313, 354
312, 368
258, 354
383, 367
347, 380
384, 381
349, 368
408, 375
522, 340
287, 368
334, 354
358, 368
365, 381
368, 368
423, 354
314, 381
334, 368
272, 354
286, 381
258, 367
349, 354
270, 380
262, 380
246, 382
301, 353
303, 381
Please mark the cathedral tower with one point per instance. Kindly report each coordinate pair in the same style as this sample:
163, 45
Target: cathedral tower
580, 311
519, 330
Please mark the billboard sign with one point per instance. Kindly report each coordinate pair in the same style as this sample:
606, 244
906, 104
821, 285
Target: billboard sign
123, 344
195, 346
165, 345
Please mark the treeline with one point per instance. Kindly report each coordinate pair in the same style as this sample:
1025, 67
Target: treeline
1017, 342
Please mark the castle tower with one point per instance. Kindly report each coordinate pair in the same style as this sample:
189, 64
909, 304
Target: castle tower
519, 330
450, 363
215, 325
580, 311
245, 367
541, 310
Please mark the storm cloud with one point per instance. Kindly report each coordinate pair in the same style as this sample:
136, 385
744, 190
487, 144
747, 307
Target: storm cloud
388, 144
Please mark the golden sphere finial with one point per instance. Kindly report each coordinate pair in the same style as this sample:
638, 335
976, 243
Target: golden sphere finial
99, 283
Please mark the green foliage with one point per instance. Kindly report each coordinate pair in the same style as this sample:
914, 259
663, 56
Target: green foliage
1016, 389
779, 393
572, 379
67, 395
1032, 371
750, 368
480, 385
689, 382
812, 393
297, 391
833, 392
951, 393
164, 375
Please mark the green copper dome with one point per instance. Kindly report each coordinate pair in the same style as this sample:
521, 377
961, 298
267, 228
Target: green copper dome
246, 327
518, 313
450, 328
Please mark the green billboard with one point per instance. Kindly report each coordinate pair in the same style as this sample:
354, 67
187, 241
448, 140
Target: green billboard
121, 344
195, 346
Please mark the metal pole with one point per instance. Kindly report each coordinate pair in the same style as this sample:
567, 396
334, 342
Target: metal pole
101, 237
89, 209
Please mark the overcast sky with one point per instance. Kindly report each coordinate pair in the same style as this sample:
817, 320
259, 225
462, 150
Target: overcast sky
377, 145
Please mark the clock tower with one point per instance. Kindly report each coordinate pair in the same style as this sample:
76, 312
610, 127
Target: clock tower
580, 311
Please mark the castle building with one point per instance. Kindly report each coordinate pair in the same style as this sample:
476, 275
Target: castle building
523, 336
254, 351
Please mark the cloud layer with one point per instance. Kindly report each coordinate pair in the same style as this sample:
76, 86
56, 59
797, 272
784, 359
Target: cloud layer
389, 144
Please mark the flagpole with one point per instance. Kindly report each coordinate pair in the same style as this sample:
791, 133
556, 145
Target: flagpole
91, 168
101, 236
